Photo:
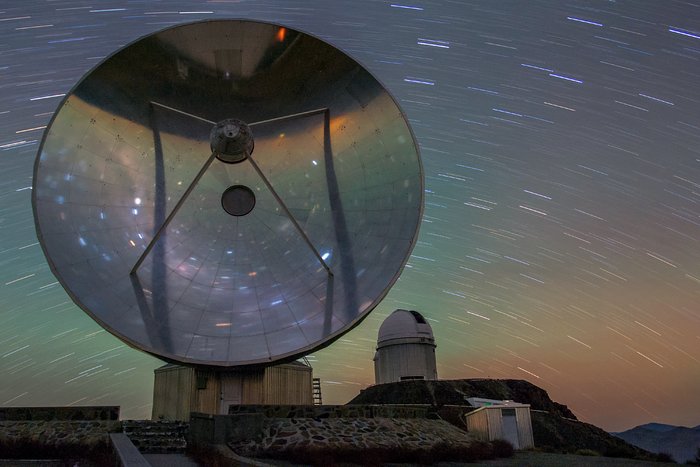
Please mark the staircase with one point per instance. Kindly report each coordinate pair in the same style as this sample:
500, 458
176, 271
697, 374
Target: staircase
157, 436
316, 387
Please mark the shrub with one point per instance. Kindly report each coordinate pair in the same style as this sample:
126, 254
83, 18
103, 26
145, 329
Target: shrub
376, 456
478, 450
664, 457
502, 448
620, 450
587, 452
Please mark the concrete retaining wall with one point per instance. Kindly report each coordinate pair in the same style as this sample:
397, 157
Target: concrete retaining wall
107, 412
333, 411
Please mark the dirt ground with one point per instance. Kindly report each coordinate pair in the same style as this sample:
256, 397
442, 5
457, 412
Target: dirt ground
543, 459
529, 459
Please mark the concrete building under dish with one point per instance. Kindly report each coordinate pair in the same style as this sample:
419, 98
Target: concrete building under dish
179, 390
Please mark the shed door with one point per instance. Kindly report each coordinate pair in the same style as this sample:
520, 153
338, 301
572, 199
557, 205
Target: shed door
231, 391
510, 427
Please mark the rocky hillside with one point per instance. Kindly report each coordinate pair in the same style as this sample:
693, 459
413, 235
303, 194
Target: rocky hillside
555, 428
456, 392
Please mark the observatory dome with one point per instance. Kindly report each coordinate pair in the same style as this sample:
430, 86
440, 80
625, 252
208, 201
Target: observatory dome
405, 349
404, 324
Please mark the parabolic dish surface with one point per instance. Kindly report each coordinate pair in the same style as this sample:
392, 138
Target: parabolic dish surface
201, 260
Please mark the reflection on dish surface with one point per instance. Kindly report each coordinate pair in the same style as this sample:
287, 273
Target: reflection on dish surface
129, 198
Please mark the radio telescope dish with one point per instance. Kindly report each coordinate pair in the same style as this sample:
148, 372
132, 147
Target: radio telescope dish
228, 193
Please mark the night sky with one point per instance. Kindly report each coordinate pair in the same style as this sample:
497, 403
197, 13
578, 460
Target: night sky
561, 234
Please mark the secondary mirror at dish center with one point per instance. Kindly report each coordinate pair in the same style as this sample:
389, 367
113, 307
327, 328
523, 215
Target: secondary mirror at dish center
228, 193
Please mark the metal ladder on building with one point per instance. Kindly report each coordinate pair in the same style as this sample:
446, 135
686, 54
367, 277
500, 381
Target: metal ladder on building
317, 391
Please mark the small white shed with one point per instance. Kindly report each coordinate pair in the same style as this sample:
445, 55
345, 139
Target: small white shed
510, 422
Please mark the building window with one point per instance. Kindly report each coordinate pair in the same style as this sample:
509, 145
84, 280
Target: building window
201, 382
412, 378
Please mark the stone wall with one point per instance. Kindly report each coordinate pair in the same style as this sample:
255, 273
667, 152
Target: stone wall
157, 436
281, 434
254, 430
59, 425
56, 432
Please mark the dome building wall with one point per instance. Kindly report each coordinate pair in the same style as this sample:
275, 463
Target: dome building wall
405, 349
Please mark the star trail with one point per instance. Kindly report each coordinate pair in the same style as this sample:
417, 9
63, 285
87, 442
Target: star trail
560, 238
